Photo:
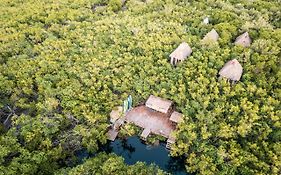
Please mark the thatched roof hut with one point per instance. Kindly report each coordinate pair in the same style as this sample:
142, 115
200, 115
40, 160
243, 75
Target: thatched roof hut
176, 117
158, 104
243, 40
232, 70
212, 36
181, 53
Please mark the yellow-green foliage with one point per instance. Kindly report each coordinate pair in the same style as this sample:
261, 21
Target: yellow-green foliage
152, 139
129, 130
110, 164
64, 64
115, 5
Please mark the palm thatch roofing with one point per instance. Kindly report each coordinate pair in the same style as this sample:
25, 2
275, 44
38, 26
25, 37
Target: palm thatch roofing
180, 53
232, 70
158, 104
115, 114
211, 36
243, 40
176, 117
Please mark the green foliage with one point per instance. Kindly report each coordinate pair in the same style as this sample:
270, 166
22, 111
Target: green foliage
65, 64
128, 130
103, 164
155, 139
115, 5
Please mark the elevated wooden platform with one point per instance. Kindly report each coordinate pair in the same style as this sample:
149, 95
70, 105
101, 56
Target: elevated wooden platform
171, 140
116, 114
112, 134
145, 133
151, 120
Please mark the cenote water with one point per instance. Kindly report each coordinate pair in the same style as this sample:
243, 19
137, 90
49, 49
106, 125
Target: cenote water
133, 150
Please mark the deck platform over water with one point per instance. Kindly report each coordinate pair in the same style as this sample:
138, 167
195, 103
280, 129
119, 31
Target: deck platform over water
112, 134
149, 119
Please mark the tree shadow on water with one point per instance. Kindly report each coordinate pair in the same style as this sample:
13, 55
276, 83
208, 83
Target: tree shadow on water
176, 166
119, 147
128, 149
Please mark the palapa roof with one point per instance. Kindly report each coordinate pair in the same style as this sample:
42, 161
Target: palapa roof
176, 117
158, 104
211, 36
243, 40
232, 70
181, 52
115, 114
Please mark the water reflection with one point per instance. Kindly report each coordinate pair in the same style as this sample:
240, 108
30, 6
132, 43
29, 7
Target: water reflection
120, 147
133, 150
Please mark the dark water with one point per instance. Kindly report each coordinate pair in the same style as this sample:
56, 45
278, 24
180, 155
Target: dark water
133, 150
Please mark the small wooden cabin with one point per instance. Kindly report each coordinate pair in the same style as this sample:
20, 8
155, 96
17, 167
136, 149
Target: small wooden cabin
176, 117
243, 40
232, 70
210, 37
158, 104
181, 53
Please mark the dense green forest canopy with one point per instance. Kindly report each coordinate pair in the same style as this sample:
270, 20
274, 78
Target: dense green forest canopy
66, 63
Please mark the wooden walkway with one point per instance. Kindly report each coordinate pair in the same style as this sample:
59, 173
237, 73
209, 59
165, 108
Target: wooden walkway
112, 134
151, 120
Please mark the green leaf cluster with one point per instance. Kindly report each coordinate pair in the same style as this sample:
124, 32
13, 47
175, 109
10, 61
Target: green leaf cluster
65, 64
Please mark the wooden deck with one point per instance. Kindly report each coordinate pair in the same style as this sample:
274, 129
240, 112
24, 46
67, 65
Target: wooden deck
112, 134
149, 119
145, 133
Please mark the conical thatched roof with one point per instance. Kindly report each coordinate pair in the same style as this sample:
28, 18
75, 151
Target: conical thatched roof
243, 40
181, 52
232, 70
212, 36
